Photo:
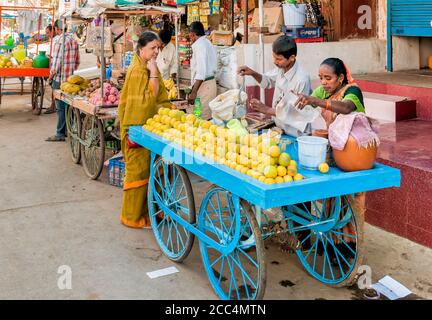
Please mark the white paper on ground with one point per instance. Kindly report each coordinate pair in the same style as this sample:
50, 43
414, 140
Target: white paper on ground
391, 288
162, 272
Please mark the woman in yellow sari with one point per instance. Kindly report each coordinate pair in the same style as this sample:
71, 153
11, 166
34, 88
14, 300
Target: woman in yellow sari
142, 95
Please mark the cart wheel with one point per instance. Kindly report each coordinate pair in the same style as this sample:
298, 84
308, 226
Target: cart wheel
333, 248
38, 92
92, 146
241, 272
73, 121
170, 186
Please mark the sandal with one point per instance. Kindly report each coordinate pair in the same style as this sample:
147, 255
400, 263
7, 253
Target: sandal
55, 139
49, 111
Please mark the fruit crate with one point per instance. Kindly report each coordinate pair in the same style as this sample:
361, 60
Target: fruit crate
116, 172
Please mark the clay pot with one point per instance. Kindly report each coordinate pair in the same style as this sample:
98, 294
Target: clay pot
353, 158
320, 133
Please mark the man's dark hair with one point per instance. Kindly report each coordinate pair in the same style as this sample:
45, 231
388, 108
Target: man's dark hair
338, 67
285, 46
145, 38
165, 36
49, 27
58, 24
198, 28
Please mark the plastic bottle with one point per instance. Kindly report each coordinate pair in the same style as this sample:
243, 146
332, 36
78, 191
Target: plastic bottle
197, 110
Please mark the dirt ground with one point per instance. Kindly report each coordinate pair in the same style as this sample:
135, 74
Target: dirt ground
51, 215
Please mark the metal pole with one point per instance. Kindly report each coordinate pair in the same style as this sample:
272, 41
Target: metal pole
177, 54
63, 50
124, 43
261, 43
245, 21
102, 56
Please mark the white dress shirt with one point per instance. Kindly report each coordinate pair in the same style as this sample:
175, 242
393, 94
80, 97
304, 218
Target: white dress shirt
204, 60
167, 61
289, 118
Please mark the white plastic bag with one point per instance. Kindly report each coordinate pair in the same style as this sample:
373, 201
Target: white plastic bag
224, 105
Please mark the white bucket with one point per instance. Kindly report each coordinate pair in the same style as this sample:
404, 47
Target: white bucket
312, 151
294, 15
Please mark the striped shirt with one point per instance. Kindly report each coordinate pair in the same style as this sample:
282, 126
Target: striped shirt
64, 67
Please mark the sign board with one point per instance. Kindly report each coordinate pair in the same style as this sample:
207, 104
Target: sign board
67, 5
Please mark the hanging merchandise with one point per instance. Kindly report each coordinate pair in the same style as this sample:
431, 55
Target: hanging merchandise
192, 14
27, 22
183, 2
215, 7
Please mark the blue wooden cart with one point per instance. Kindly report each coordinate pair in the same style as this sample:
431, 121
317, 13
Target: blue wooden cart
232, 223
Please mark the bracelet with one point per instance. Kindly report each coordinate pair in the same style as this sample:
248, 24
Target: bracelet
328, 104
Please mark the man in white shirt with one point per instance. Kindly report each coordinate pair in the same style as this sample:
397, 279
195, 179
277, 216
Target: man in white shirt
287, 79
167, 59
203, 68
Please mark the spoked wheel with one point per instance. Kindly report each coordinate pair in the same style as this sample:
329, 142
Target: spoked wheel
240, 271
170, 188
38, 92
332, 246
93, 146
73, 122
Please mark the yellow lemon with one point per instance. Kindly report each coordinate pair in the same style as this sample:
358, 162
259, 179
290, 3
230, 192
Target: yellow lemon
269, 181
270, 172
292, 170
298, 177
206, 124
284, 159
274, 151
261, 178
282, 171
190, 118
323, 168
293, 163
288, 178
279, 179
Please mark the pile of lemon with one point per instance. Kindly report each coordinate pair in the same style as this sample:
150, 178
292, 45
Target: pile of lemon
257, 156
5, 62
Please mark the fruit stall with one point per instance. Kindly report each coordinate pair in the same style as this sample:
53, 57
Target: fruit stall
261, 189
91, 118
15, 61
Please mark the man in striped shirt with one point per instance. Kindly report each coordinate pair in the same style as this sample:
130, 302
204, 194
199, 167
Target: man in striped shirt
65, 61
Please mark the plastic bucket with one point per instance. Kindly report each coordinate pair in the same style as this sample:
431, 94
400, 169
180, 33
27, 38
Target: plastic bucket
294, 15
312, 151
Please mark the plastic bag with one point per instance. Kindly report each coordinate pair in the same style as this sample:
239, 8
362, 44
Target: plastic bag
224, 105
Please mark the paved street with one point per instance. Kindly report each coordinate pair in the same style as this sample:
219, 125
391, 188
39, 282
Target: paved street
51, 215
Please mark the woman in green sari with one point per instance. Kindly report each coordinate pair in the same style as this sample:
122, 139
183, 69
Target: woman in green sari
142, 95
337, 93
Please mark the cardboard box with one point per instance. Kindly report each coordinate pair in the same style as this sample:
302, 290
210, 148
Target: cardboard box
119, 47
273, 19
251, 5
222, 38
267, 38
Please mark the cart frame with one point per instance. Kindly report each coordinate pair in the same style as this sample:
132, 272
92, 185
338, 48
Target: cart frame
321, 205
38, 74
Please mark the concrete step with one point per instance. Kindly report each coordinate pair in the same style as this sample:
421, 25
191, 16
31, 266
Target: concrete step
389, 108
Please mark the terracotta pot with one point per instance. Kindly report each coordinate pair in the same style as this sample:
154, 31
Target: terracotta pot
353, 158
320, 133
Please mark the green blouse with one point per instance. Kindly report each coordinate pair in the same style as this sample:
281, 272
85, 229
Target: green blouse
352, 94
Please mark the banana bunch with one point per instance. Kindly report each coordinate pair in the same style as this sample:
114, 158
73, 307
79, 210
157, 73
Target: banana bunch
171, 88
74, 84
70, 87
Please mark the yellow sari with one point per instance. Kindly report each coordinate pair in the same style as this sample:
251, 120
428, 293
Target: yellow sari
137, 104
